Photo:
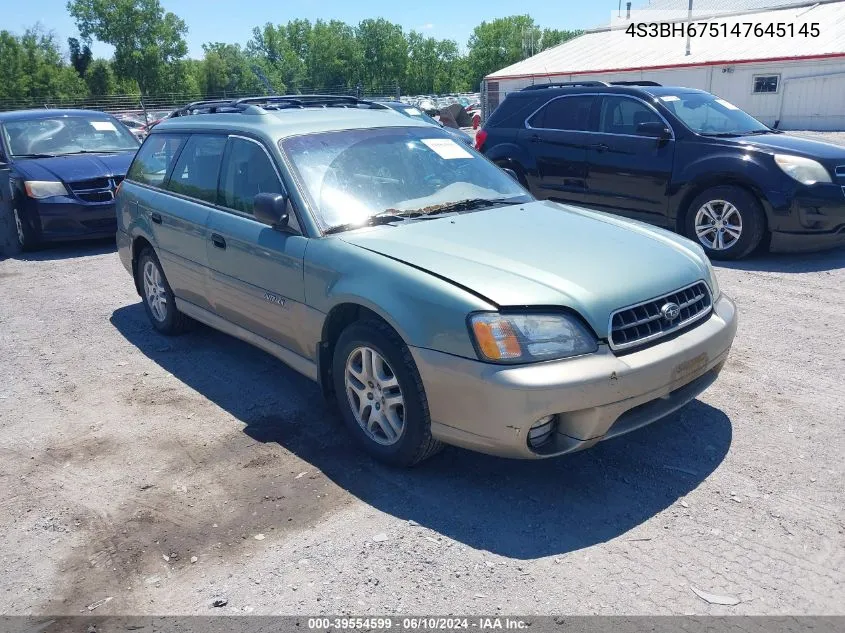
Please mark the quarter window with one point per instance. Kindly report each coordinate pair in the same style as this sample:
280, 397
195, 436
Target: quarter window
154, 159
565, 113
196, 171
766, 84
621, 115
247, 171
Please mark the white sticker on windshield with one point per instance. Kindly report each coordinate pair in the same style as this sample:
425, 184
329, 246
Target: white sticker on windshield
670, 98
412, 111
729, 106
103, 126
446, 148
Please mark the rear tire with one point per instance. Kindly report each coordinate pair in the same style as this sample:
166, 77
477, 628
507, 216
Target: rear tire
157, 296
381, 396
727, 221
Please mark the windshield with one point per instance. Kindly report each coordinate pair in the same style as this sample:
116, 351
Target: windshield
707, 114
68, 135
351, 176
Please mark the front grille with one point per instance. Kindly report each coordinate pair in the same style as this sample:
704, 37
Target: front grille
646, 321
96, 189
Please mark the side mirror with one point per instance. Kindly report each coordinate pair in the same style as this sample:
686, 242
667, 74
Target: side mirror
271, 209
655, 129
510, 172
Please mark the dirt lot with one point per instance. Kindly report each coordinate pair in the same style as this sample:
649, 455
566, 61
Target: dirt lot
163, 473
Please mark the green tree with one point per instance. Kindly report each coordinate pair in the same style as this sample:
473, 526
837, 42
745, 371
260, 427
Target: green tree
432, 65
334, 56
34, 69
384, 53
147, 40
80, 55
100, 78
227, 69
499, 43
272, 51
554, 37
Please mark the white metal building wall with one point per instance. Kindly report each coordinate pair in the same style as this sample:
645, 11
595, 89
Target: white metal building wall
810, 96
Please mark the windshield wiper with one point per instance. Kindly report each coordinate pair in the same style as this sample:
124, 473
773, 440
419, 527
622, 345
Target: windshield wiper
373, 220
34, 155
94, 151
470, 204
720, 134
754, 132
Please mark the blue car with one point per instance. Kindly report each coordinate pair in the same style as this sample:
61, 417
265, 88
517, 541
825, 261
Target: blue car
59, 170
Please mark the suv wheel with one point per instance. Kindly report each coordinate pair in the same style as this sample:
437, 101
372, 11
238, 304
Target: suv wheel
26, 239
727, 221
158, 298
381, 396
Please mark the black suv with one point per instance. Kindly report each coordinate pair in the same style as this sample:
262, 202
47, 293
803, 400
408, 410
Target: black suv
676, 157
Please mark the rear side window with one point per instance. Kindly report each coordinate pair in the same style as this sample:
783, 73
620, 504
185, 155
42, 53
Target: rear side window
155, 158
247, 171
196, 171
621, 115
565, 113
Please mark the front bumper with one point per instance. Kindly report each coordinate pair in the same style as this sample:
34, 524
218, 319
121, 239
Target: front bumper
810, 218
63, 218
490, 408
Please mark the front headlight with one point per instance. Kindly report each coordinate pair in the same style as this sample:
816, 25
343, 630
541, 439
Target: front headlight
44, 188
525, 338
804, 170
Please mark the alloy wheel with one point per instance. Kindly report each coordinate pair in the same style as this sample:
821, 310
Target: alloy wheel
718, 225
154, 291
375, 396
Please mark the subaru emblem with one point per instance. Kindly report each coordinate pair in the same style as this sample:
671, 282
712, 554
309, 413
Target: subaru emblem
670, 311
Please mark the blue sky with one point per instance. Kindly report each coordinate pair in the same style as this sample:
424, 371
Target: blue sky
232, 21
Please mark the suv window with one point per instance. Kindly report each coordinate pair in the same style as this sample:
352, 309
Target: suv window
154, 159
622, 115
565, 113
198, 167
247, 171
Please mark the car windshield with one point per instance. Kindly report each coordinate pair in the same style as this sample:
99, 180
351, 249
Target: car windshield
709, 115
351, 176
63, 135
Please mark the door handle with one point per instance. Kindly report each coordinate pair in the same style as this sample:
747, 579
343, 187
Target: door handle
218, 240
535, 139
601, 147
156, 218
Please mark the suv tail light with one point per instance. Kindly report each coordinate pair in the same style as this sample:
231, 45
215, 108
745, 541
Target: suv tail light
480, 137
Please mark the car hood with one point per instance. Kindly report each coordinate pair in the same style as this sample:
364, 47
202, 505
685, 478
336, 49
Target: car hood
786, 144
75, 167
545, 254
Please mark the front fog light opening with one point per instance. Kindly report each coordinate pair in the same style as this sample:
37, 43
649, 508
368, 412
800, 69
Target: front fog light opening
541, 431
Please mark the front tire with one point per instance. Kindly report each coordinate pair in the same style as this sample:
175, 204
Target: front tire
381, 396
727, 221
23, 231
157, 296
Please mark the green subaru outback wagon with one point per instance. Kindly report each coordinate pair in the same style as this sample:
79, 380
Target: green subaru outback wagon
421, 286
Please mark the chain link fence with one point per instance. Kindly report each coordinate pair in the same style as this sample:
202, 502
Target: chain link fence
147, 104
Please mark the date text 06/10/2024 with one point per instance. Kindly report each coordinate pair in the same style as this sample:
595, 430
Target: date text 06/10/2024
494, 623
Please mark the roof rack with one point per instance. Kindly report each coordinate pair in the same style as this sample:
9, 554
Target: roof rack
639, 82
567, 84
275, 102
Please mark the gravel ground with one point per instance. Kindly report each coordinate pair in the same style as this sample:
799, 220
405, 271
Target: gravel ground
163, 473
